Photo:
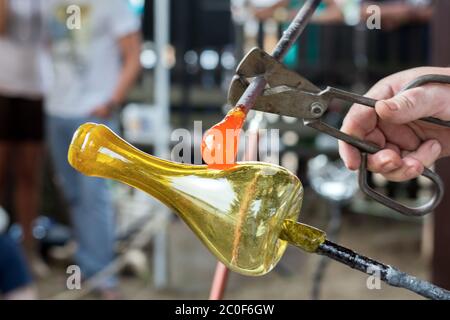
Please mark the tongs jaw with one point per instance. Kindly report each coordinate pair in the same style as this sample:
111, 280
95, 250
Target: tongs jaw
287, 93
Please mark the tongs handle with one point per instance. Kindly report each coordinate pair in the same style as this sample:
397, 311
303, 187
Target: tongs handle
366, 148
333, 93
397, 206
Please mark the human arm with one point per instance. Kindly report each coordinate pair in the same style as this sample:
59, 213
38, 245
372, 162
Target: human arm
3, 16
130, 48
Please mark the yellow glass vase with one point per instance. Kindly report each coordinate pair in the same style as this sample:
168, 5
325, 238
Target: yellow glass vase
237, 213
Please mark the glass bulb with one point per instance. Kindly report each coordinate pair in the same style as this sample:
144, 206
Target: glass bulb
237, 213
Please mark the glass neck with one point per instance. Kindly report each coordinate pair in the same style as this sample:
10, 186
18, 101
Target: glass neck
97, 151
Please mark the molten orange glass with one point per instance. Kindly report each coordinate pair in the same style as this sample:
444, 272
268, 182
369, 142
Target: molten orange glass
220, 143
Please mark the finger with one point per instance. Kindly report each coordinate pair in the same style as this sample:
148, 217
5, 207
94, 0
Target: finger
361, 119
382, 90
415, 162
427, 154
401, 135
360, 122
413, 104
350, 155
386, 160
394, 147
377, 137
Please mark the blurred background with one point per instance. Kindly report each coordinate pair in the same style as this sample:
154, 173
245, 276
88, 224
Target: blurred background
188, 52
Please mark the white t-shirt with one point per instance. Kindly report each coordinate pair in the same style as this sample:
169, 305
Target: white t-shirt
20, 50
85, 62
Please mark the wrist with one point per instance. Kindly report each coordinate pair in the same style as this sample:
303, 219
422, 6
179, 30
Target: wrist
113, 105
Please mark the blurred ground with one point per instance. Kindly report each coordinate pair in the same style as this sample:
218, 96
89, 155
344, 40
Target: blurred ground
387, 240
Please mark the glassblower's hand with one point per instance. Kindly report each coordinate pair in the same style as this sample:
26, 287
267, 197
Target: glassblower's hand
409, 145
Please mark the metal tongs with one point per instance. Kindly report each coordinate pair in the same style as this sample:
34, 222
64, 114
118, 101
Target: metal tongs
289, 94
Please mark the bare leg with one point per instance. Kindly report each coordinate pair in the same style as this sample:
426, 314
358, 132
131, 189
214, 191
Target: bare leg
5, 151
28, 160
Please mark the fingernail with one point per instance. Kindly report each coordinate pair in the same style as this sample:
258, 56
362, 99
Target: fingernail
412, 172
436, 148
392, 106
388, 166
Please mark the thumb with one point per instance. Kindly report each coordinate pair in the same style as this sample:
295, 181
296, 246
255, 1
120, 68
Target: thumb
414, 104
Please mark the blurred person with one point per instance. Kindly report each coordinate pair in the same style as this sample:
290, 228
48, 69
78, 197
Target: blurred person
408, 145
93, 66
22, 115
15, 280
